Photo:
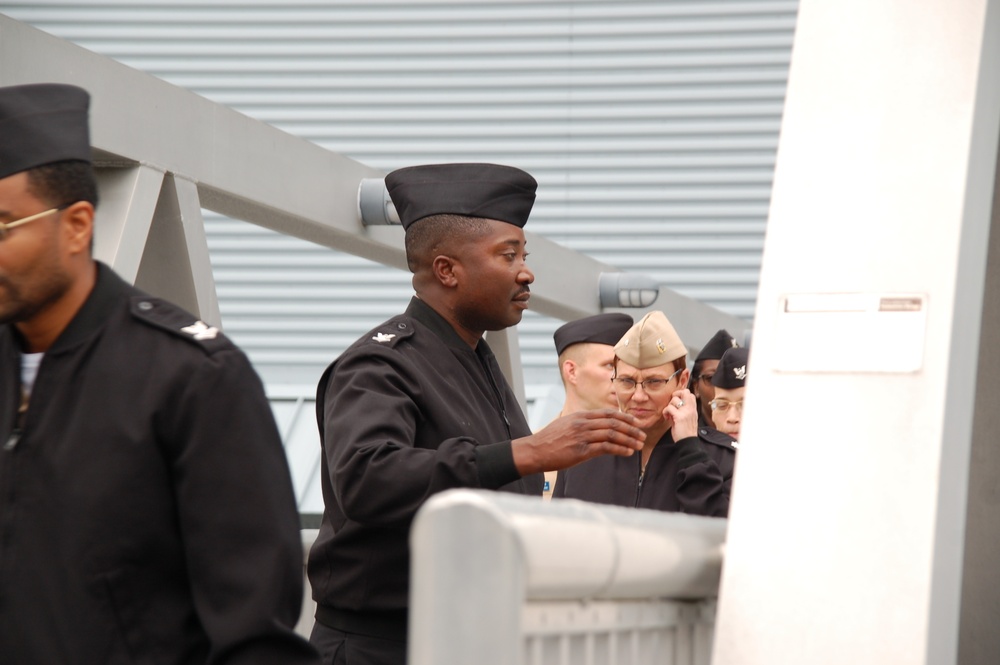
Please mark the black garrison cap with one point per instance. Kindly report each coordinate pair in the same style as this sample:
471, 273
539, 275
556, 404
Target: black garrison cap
732, 370
42, 123
605, 328
715, 347
489, 191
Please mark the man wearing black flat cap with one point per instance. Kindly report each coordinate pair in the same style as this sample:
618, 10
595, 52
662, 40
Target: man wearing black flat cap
586, 349
419, 404
147, 512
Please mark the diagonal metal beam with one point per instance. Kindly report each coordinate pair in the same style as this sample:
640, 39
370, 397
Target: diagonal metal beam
176, 258
124, 214
193, 225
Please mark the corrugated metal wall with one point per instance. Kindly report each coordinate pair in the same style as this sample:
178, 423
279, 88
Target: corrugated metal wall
651, 127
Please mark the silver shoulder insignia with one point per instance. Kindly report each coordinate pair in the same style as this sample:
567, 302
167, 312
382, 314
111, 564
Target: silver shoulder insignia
383, 338
201, 330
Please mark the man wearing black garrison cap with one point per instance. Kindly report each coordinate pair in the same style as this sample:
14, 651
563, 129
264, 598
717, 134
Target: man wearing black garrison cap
147, 511
586, 350
418, 404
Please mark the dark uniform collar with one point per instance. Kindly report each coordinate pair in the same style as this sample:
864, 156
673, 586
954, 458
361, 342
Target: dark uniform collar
108, 290
425, 314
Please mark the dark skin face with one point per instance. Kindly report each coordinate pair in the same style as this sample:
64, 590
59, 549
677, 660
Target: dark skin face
479, 284
46, 272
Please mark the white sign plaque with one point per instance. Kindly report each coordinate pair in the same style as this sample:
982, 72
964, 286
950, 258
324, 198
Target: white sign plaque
851, 332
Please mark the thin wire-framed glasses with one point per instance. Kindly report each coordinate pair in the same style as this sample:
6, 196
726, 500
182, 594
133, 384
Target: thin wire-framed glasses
626, 384
723, 405
5, 227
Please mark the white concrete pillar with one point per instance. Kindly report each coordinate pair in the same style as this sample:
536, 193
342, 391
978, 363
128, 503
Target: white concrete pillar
853, 510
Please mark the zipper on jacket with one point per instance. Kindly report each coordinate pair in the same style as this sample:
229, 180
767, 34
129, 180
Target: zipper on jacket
22, 414
638, 487
499, 397
12, 440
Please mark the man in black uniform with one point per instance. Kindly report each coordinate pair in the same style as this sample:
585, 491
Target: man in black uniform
419, 405
147, 512
673, 473
586, 350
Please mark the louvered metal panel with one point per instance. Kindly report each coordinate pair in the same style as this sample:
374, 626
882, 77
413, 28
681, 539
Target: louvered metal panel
651, 127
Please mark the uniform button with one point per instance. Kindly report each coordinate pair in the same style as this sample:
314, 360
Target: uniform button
401, 326
145, 305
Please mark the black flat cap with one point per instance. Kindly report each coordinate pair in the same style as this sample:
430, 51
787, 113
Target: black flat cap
732, 370
490, 191
42, 123
715, 347
599, 329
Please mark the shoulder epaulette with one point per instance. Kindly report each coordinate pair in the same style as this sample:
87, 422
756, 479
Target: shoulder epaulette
712, 435
389, 333
166, 316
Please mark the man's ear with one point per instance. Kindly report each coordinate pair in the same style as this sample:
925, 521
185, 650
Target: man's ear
444, 269
78, 222
569, 371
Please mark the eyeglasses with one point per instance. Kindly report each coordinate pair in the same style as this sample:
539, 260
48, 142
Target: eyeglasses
5, 227
707, 378
627, 384
722, 405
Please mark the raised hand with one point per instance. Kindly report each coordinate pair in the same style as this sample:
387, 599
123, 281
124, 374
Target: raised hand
577, 437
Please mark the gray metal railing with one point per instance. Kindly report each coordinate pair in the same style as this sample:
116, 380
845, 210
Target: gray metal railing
511, 580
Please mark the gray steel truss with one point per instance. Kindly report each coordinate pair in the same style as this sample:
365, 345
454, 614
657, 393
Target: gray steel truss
165, 153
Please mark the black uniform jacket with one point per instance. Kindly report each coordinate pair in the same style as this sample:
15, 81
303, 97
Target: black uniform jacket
679, 477
146, 510
722, 449
408, 410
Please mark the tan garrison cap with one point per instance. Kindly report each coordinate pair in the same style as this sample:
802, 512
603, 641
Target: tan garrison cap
650, 343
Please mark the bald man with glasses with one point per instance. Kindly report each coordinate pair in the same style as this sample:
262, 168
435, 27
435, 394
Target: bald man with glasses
673, 471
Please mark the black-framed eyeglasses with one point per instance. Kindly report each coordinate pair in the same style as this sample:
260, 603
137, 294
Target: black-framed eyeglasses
5, 227
626, 384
